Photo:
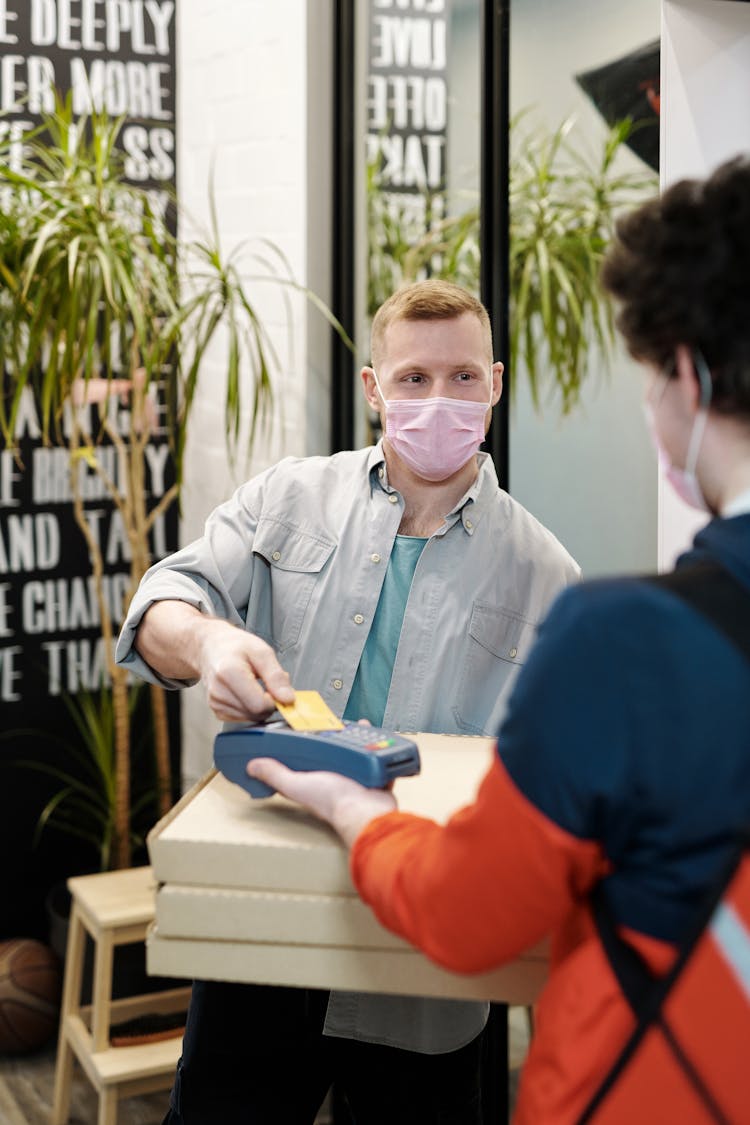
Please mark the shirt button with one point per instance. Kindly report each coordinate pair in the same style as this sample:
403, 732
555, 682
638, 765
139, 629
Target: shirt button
468, 525
513, 653
338, 684
375, 558
358, 618
392, 498
276, 556
381, 473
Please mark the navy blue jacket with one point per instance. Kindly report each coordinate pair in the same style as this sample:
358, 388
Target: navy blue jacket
631, 726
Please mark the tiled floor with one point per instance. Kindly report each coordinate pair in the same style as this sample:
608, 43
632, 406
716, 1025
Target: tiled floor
27, 1082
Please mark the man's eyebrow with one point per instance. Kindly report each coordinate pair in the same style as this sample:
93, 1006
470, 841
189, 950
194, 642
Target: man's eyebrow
470, 365
410, 365
459, 365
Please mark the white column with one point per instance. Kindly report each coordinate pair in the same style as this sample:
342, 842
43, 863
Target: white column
254, 114
705, 119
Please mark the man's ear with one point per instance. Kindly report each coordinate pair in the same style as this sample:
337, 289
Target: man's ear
497, 382
367, 375
687, 378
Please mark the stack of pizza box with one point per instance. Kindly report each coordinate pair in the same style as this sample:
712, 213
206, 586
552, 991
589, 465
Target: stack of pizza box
259, 891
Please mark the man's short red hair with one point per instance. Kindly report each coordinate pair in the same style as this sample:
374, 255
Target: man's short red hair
426, 300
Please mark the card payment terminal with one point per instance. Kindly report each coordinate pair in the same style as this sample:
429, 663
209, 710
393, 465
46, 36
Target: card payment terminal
370, 755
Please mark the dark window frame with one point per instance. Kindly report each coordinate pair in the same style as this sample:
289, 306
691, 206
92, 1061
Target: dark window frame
493, 237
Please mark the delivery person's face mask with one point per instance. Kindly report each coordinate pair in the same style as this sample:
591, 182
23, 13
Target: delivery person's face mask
435, 437
684, 481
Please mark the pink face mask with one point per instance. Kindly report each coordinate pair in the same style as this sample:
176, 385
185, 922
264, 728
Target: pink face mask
435, 437
684, 481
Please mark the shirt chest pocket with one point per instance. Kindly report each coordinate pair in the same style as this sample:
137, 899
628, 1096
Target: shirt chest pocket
295, 560
497, 644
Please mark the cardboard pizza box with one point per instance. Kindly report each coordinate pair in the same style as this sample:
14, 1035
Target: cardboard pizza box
259, 891
397, 971
231, 914
218, 836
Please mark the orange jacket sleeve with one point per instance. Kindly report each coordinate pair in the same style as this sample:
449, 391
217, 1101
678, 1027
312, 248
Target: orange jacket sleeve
474, 893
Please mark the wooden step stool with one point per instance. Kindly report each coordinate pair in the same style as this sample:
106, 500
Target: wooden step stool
113, 908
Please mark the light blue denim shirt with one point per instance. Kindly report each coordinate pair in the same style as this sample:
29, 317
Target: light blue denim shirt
298, 556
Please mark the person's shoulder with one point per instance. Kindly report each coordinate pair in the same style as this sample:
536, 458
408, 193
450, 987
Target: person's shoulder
532, 538
312, 471
607, 606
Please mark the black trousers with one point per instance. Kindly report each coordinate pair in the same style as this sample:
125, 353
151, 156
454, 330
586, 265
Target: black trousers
256, 1055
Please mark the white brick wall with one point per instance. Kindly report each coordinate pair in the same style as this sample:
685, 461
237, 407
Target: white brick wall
250, 107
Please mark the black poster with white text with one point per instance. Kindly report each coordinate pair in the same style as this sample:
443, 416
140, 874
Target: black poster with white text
407, 104
116, 56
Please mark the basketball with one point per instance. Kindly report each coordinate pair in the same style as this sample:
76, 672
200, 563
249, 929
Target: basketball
30, 984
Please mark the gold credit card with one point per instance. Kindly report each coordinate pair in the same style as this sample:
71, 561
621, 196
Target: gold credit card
309, 712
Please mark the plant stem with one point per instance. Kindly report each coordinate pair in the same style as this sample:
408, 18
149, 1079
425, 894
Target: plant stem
118, 677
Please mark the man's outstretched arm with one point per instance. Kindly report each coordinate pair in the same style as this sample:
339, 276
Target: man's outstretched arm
239, 671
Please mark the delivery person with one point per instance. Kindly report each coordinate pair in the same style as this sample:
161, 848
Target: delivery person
624, 760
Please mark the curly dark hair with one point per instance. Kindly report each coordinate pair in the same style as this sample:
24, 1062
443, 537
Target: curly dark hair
680, 267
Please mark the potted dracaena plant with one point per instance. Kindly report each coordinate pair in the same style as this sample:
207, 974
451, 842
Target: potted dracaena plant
100, 303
